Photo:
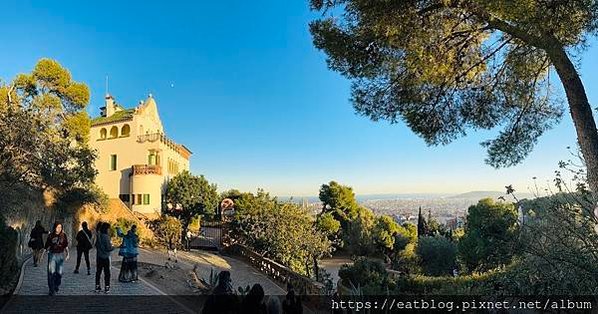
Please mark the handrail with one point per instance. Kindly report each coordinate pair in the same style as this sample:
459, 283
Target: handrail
153, 137
280, 274
146, 169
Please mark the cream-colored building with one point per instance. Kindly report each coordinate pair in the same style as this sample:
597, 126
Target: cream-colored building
135, 158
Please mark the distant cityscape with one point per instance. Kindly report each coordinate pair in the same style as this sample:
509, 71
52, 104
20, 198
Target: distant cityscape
448, 209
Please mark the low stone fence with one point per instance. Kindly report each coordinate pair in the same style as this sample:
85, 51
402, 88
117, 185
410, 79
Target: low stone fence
280, 274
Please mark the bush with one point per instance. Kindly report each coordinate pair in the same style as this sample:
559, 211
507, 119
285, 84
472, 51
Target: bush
368, 275
8, 258
475, 284
167, 228
437, 255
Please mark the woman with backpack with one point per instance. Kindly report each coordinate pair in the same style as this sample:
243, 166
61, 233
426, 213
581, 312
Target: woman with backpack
84, 244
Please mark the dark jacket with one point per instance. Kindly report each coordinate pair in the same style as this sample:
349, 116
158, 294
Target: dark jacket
56, 243
104, 246
37, 240
84, 240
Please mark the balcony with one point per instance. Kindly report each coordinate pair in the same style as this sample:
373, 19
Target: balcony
146, 169
154, 137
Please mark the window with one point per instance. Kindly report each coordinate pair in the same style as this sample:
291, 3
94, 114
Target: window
146, 199
151, 158
103, 133
139, 199
125, 198
133, 199
125, 130
114, 132
113, 162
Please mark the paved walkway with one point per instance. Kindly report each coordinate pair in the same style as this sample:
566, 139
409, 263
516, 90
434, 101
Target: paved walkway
77, 293
242, 274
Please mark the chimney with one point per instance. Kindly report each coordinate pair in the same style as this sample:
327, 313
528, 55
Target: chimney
110, 107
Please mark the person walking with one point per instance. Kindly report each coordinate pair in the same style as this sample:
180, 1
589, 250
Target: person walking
57, 246
36, 242
188, 240
84, 244
171, 249
104, 248
129, 251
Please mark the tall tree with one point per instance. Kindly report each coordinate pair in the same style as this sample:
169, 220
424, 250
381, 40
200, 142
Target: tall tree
188, 195
445, 67
44, 130
490, 235
422, 226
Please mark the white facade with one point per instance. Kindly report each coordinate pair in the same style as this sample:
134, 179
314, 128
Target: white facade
135, 158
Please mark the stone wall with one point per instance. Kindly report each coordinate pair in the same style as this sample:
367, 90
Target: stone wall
35, 205
30, 207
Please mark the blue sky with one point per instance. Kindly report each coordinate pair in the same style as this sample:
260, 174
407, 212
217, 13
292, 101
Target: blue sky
240, 84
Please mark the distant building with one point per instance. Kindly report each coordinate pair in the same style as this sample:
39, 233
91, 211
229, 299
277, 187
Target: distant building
135, 158
455, 223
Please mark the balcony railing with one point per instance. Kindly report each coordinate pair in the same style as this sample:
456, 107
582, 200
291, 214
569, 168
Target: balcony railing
146, 169
181, 149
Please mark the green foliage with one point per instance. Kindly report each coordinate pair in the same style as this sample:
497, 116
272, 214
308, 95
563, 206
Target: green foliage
384, 232
369, 275
44, 130
490, 235
167, 228
356, 222
437, 255
357, 236
188, 195
474, 284
559, 246
252, 204
283, 232
406, 260
339, 200
327, 224
8, 259
446, 67
392, 239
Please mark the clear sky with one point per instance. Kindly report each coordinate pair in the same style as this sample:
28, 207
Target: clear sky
240, 84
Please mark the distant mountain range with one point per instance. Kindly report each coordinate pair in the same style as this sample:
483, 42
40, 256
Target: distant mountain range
478, 195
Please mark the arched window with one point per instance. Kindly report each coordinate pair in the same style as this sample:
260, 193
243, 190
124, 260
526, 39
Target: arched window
114, 132
103, 133
125, 130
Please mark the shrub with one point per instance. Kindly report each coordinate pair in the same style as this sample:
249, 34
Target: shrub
437, 255
368, 275
474, 284
167, 228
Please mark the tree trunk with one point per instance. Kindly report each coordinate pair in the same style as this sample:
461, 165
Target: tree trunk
581, 112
